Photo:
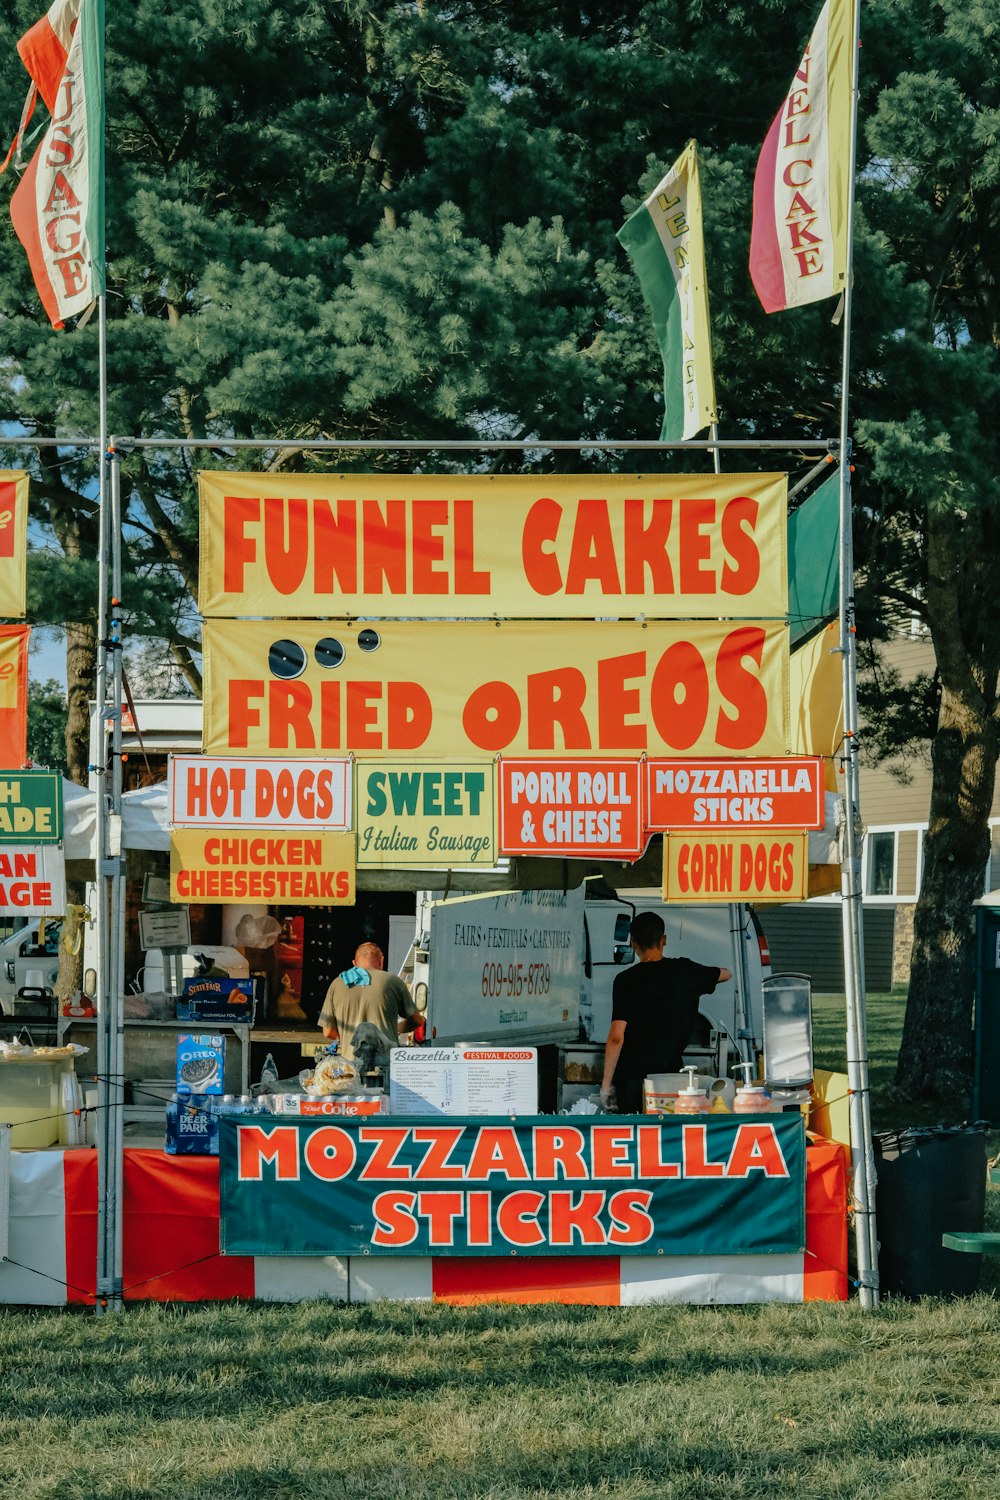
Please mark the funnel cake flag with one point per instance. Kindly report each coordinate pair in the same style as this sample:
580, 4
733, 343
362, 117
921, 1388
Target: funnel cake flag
798, 243
58, 206
665, 241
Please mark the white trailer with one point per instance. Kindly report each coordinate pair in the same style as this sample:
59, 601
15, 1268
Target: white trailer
539, 966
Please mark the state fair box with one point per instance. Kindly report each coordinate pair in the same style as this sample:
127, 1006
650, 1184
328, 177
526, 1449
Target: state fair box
466, 1080
217, 999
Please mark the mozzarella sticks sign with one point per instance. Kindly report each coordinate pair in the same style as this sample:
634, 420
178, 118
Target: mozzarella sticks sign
785, 793
662, 546
458, 689
721, 1186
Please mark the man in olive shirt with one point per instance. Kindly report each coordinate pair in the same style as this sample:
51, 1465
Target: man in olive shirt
367, 993
653, 1010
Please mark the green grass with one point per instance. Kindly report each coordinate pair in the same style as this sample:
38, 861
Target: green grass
885, 1028
434, 1403
319, 1401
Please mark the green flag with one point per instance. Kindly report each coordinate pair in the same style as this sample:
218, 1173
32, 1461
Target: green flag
665, 241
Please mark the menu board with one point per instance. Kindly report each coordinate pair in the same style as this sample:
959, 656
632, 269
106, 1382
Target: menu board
464, 1081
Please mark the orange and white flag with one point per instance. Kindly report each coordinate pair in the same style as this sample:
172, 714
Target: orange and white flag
58, 206
798, 243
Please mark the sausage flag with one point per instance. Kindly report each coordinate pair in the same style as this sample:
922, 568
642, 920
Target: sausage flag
664, 238
798, 243
58, 206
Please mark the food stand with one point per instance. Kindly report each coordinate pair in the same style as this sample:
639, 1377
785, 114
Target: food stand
475, 738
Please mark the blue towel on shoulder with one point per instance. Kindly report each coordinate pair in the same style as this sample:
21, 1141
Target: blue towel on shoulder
355, 976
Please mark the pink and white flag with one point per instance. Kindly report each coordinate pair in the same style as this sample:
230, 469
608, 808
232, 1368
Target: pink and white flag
798, 243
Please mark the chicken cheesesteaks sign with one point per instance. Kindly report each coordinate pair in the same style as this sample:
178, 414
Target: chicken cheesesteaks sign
541, 1186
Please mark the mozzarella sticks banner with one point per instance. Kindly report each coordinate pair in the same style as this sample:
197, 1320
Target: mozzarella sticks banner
664, 546
13, 541
461, 688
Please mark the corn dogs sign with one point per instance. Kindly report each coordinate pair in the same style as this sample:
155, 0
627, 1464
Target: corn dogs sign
567, 546
706, 868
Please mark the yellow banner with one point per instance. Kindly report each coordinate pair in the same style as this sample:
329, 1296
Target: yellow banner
462, 689
704, 546
735, 867
237, 865
13, 541
437, 815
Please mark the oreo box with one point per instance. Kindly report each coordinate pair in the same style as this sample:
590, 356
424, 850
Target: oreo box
200, 1064
217, 1000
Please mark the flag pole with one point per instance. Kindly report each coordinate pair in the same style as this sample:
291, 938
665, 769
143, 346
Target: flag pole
107, 772
863, 1162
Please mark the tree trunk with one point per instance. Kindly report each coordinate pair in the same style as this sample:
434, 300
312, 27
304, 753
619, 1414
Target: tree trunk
936, 1055
935, 1058
81, 669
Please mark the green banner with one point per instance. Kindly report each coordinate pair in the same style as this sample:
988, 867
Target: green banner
549, 1185
31, 807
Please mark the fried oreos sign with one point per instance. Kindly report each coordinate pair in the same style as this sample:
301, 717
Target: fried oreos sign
718, 1186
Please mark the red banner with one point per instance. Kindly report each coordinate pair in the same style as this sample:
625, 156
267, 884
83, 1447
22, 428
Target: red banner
709, 793
14, 695
571, 808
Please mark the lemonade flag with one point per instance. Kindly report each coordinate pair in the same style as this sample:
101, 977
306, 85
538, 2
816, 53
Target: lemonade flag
665, 241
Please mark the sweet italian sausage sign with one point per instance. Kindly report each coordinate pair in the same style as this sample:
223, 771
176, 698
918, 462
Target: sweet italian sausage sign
458, 689
568, 546
541, 1186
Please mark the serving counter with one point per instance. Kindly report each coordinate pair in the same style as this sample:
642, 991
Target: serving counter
172, 1218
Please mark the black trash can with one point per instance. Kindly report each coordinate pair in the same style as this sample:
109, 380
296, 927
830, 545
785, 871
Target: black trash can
930, 1181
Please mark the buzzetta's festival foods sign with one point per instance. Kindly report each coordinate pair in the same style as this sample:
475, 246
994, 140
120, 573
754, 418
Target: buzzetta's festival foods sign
459, 689
719, 1186
664, 546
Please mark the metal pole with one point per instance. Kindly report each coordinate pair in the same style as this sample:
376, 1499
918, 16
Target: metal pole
713, 433
116, 877
866, 1243
472, 445
109, 1081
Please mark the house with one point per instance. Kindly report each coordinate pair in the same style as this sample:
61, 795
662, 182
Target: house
895, 801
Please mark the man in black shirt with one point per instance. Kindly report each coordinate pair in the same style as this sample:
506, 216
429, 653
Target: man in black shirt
653, 1009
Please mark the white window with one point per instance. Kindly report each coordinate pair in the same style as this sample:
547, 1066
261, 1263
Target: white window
880, 863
